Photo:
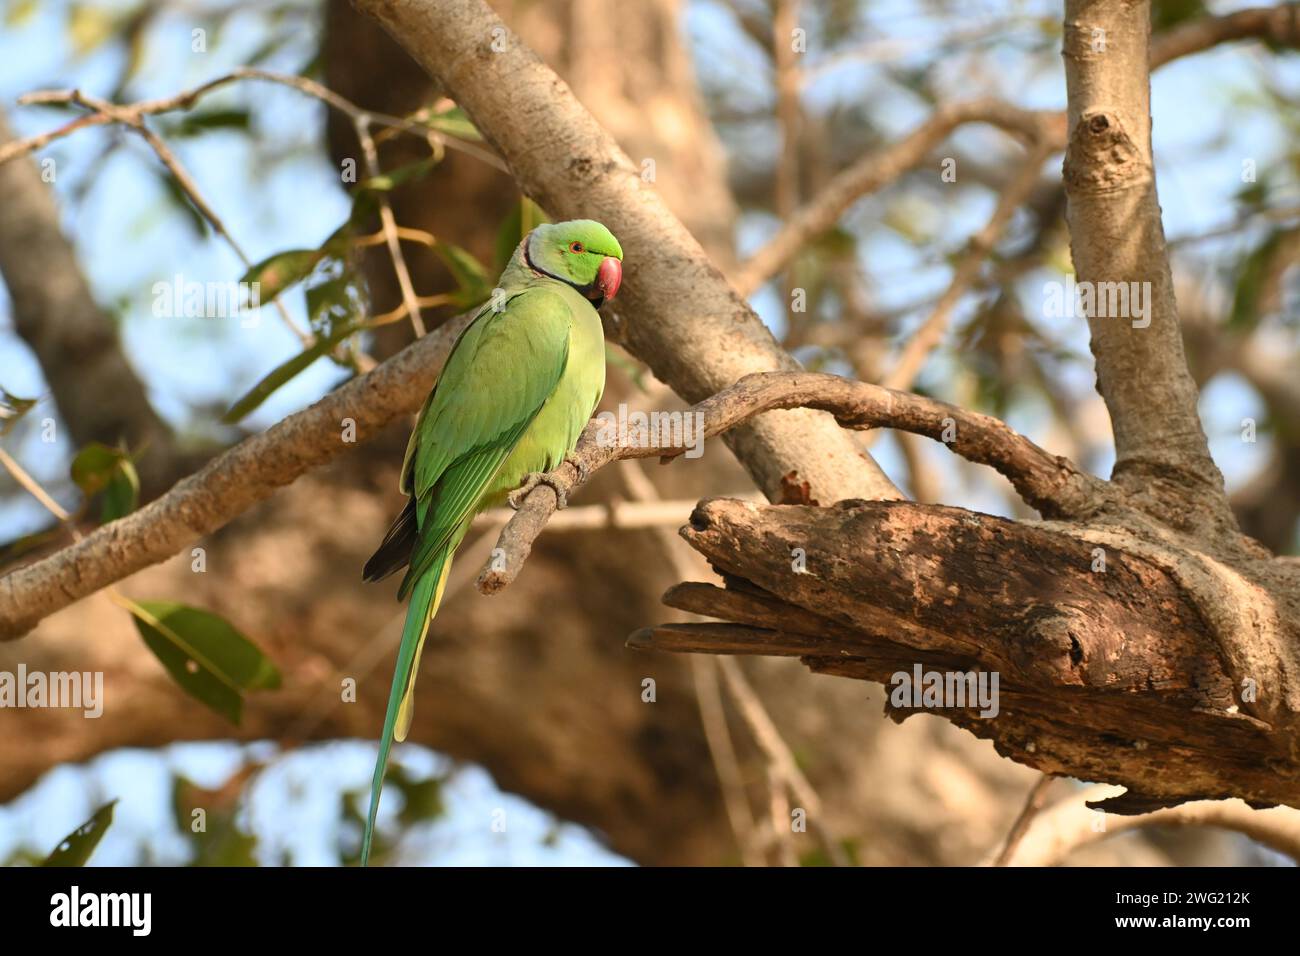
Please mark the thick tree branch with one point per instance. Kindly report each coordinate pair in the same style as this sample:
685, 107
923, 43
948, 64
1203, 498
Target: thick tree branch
1110, 660
226, 487
1118, 244
673, 296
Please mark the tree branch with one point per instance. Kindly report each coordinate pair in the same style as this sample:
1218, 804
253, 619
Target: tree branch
1279, 26
880, 168
226, 486
1118, 243
1053, 485
1110, 671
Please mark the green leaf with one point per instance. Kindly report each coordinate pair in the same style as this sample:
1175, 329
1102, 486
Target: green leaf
336, 302
523, 219
122, 496
282, 374
473, 284
12, 408
454, 122
195, 124
99, 468
276, 273
178, 198
75, 848
1251, 280
212, 661
93, 467
386, 182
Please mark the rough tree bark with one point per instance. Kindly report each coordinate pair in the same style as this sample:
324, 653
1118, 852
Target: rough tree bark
1116, 236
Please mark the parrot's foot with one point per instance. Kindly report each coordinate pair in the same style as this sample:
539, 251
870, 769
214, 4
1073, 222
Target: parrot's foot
579, 466
531, 481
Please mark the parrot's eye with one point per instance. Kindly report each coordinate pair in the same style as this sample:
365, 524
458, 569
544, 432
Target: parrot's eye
576, 247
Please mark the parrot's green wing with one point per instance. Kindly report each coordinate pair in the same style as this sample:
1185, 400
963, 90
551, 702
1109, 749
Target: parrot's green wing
500, 373
496, 381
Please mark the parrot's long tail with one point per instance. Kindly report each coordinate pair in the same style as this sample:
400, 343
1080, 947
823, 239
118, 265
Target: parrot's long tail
425, 598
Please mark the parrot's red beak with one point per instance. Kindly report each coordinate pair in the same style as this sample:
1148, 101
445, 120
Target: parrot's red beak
608, 278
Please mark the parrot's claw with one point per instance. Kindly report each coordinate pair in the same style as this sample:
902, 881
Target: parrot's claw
531, 481
579, 466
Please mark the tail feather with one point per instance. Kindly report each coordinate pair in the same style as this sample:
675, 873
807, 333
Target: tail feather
394, 552
425, 598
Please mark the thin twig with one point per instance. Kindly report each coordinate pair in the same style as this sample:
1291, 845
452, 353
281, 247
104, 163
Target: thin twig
389, 223
1033, 803
704, 674
188, 98
33, 487
780, 759
135, 121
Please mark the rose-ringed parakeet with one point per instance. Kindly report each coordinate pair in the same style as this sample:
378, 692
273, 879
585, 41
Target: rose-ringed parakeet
520, 384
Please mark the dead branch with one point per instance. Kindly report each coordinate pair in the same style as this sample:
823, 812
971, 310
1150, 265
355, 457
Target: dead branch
1115, 670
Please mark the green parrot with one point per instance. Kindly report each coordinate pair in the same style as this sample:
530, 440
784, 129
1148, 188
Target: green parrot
520, 385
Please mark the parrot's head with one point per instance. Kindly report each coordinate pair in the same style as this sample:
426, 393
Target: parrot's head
581, 252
